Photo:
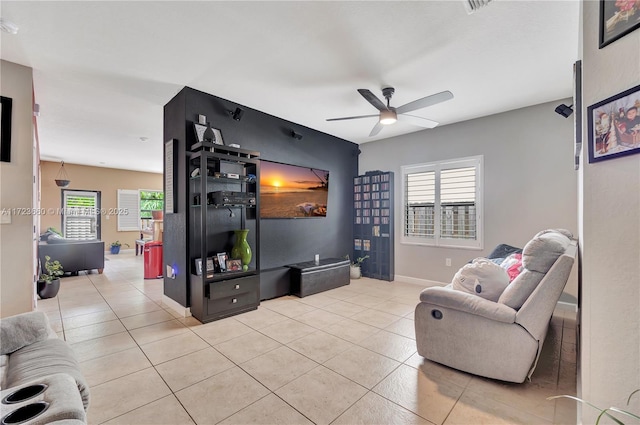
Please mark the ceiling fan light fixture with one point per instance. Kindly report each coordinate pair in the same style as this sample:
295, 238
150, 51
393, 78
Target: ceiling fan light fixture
388, 117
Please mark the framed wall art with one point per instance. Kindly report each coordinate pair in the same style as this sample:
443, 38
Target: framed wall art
6, 105
617, 19
614, 126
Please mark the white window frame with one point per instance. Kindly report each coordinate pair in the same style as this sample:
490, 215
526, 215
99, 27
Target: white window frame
474, 161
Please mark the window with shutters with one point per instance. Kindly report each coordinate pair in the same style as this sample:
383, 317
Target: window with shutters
129, 210
81, 214
443, 203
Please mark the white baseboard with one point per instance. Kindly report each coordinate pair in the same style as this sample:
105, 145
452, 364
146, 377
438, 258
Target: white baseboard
176, 306
422, 282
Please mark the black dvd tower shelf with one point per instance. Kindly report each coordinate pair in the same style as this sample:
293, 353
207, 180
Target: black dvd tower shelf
373, 223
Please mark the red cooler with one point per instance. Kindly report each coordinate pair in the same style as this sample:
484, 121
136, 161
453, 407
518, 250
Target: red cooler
153, 260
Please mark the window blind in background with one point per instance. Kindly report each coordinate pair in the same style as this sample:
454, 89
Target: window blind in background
129, 201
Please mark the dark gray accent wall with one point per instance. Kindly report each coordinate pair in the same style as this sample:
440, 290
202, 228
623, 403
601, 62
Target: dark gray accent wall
282, 241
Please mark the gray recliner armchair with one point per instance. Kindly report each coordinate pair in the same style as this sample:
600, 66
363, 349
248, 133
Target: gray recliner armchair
500, 340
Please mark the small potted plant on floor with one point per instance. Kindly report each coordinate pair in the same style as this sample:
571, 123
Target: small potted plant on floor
355, 271
49, 282
115, 247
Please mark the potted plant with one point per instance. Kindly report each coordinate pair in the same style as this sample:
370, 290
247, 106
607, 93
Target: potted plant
115, 247
355, 271
49, 282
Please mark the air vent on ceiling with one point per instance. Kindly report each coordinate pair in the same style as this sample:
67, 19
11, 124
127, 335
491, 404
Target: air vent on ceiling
474, 5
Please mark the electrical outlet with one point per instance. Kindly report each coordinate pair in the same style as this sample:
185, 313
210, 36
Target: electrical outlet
5, 217
447, 262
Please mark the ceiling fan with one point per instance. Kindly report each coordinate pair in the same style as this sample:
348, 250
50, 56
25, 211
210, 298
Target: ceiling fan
389, 115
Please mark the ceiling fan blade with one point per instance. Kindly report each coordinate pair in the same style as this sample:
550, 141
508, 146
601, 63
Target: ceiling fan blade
353, 118
372, 99
376, 129
419, 121
425, 101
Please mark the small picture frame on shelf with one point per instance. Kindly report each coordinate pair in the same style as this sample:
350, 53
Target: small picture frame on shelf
199, 129
199, 266
210, 267
234, 265
218, 140
222, 261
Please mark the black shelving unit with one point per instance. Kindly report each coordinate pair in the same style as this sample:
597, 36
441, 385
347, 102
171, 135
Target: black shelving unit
223, 196
373, 223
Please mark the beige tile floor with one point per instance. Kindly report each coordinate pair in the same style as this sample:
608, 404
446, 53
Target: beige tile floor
345, 356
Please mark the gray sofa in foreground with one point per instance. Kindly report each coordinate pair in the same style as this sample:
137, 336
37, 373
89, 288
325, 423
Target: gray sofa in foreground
498, 339
40, 377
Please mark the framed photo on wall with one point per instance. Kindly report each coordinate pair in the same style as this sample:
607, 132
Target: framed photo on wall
6, 105
617, 19
614, 126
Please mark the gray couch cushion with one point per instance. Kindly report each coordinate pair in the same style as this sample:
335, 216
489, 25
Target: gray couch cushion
21, 330
44, 358
542, 251
538, 256
520, 289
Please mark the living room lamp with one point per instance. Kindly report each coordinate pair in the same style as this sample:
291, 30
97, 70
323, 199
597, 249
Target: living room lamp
62, 178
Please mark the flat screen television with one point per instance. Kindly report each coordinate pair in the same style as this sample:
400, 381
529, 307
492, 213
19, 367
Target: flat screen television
292, 191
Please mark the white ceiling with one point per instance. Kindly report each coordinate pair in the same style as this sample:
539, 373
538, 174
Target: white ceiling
104, 70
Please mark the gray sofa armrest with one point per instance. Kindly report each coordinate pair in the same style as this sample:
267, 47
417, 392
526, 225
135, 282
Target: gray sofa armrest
472, 304
22, 330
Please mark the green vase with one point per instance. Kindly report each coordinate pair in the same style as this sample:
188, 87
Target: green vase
241, 250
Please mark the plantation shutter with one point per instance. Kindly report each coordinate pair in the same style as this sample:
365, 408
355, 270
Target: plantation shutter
419, 209
458, 203
80, 215
129, 210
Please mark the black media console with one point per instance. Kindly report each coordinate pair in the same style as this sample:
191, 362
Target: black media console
310, 277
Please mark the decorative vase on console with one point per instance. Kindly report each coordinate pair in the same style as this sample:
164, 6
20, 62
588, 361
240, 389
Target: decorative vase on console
241, 250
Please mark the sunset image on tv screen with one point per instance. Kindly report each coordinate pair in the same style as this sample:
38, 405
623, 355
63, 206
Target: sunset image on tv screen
291, 191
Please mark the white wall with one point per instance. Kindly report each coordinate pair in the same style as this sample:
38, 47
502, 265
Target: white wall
529, 181
610, 237
16, 191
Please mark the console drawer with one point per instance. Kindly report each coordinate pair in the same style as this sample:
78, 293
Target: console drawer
235, 287
224, 306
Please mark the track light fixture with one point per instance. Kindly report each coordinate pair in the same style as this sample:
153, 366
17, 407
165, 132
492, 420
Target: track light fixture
564, 110
237, 114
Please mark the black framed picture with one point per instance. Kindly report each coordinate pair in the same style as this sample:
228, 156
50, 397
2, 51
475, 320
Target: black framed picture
614, 126
6, 105
617, 19
222, 261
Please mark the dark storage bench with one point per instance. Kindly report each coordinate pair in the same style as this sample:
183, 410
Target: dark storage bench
310, 277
